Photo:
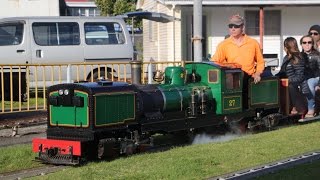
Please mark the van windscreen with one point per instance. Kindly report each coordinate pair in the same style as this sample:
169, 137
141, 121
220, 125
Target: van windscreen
11, 34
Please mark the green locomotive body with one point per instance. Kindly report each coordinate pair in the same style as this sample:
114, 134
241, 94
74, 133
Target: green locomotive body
101, 119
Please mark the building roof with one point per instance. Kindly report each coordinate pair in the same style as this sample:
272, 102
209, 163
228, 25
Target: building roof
242, 2
153, 16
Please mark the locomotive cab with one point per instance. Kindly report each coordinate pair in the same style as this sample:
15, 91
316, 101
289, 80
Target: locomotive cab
224, 81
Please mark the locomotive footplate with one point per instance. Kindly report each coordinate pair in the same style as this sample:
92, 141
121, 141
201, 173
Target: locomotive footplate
57, 151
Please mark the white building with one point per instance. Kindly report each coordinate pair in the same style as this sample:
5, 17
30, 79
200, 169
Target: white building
172, 41
9, 8
81, 8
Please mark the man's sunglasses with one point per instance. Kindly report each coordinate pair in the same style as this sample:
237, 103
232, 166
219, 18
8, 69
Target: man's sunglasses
313, 33
234, 26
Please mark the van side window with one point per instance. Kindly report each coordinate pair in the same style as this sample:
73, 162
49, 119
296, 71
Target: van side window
103, 33
11, 34
56, 33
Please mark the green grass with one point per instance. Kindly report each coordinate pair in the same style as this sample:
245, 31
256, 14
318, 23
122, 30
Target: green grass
205, 160
17, 158
15, 104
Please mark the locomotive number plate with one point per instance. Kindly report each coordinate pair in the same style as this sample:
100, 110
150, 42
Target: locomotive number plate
231, 102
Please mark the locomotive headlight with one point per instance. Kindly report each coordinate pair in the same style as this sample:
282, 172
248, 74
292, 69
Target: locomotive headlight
60, 92
66, 92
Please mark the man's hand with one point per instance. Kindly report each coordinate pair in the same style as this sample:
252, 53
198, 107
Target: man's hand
317, 88
256, 77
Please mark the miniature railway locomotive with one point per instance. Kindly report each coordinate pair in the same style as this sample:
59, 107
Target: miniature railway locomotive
103, 119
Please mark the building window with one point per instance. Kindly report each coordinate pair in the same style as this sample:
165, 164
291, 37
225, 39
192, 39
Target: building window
271, 22
77, 11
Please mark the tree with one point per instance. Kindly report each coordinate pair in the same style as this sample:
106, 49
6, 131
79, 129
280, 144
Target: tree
115, 7
123, 6
105, 6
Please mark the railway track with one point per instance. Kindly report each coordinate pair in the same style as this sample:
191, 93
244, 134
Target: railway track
21, 128
271, 167
22, 119
13, 136
39, 171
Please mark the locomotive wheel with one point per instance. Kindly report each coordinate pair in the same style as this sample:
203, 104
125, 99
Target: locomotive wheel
107, 149
243, 126
184, 136
239, 127
272, 120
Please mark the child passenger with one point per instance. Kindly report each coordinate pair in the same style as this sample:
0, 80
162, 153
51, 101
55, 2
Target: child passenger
313, 69
294, 68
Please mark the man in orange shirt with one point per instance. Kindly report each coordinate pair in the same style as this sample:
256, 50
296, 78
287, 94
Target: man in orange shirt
241, 49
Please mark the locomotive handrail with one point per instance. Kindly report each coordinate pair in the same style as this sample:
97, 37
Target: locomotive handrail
229, 65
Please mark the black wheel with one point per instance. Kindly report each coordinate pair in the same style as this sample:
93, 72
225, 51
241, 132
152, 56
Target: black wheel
183, 137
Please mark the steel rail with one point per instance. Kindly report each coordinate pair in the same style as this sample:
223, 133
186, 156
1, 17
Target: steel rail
271, 167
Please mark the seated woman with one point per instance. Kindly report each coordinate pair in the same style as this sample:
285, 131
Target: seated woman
313, 70
294, 68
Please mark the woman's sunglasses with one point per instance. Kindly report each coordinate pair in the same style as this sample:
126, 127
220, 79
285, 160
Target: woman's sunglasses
307, 42
313, 33
234, 26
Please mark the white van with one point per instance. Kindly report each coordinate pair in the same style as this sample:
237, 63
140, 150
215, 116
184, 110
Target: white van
54, 40
63, 39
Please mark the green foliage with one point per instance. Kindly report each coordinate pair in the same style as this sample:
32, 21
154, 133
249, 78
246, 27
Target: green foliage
115, 7
105, 6
123, 6
32, 103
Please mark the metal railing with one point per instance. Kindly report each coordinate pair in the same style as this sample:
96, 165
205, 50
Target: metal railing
23, 87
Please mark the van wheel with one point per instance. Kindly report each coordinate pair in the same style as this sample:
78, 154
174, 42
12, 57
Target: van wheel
96, 76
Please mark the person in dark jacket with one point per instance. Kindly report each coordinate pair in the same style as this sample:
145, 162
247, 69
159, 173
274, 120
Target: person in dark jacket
312, 69
314, 32
294, 68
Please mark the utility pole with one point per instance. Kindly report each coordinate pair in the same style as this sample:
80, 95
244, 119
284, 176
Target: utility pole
197, 30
